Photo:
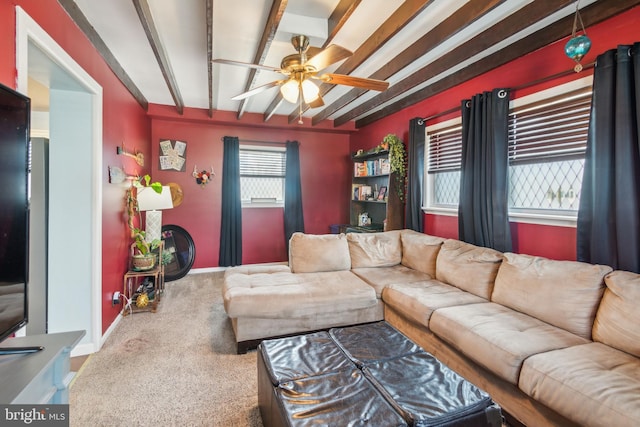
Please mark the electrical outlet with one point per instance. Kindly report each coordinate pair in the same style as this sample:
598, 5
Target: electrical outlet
116, 298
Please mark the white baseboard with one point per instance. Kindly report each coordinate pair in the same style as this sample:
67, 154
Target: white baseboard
84, 349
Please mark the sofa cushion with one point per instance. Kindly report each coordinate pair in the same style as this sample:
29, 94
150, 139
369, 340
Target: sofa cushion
591, 384
498, 338
311, 253
257, 268
418, 300
288, 295
618, 318
420, 251
380, 277
565, 294
468, 267
381, 249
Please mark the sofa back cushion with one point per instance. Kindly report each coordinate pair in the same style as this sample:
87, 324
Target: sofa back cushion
617, 321
420, 251
311, 253
565, 294
382, 249
468, 267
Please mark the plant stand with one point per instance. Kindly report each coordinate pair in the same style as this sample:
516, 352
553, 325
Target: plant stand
135, 284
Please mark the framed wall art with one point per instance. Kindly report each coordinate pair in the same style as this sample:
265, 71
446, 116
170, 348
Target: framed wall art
173, 155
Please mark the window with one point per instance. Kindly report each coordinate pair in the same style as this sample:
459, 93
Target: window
262, 171
547, 144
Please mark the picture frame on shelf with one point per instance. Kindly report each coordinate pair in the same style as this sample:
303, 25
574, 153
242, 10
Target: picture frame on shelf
382, 193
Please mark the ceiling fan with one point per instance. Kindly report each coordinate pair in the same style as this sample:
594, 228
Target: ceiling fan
303, 67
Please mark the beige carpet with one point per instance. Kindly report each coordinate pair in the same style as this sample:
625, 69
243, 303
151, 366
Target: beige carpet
175, 367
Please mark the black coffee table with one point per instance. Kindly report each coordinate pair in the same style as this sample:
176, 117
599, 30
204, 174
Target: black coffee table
364, 375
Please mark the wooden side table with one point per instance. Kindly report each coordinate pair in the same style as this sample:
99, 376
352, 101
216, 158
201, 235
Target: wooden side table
134, 285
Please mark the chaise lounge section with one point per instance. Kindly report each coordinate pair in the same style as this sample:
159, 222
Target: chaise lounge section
553, 342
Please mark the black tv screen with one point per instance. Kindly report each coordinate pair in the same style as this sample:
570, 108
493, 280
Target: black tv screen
14, 209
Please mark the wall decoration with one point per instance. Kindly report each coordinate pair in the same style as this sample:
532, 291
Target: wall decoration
173, 155
203, 177
139, 157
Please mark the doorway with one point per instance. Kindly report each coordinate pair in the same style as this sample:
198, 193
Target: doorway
73, 287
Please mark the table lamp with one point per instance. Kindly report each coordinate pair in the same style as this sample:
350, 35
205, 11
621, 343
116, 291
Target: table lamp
153, 203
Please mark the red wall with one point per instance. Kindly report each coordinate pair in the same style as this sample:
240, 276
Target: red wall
123, 121
325, 170
549, 241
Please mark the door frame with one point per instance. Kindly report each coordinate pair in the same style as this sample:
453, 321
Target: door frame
29, 32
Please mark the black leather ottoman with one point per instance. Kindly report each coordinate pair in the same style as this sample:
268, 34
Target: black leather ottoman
364, 375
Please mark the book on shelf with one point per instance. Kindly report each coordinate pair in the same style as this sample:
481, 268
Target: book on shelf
359, 169
365, 192
376, 167
385, 166
362, 192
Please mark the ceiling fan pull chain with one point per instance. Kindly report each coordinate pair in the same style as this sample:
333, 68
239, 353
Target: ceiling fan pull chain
300, 106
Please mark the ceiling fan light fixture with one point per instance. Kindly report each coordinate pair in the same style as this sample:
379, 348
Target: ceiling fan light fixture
289, 91
310, 91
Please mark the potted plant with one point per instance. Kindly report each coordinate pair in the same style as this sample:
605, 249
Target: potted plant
142, 255
397, 161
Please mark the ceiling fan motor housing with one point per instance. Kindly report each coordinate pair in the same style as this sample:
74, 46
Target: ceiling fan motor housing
300, 43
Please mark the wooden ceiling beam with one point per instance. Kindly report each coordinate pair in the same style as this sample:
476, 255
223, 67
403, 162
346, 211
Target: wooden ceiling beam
446, 29
339, 17
270, 28
82, 22
146, 19
397, 21
591, 15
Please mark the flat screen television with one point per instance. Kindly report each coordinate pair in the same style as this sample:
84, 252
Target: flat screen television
15, 113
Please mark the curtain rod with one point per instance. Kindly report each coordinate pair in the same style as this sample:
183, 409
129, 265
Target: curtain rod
257, 141
519, 87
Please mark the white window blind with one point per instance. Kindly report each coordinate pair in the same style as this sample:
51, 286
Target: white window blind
550, 130
259, 163
445, 149
262, 173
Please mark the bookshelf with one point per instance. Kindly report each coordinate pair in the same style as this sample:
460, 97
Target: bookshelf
373, 193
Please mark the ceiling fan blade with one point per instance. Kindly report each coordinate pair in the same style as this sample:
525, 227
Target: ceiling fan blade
318, 102
341, 79
328, 56
313, 51
257, 90
246, 64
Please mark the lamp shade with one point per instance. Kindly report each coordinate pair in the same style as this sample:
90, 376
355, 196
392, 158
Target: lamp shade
149, 200
289, 91
309, 91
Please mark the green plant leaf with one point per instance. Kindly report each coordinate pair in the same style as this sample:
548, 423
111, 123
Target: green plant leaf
157, 187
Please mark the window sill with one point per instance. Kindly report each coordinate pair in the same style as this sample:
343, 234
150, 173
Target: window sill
262, 205
520, 217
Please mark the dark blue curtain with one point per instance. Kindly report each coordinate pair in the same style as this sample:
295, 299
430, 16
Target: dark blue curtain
293, 217
483, 213
608, 229
415, 174
231, 218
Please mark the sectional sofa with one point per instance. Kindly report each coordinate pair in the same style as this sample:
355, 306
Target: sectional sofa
553, 342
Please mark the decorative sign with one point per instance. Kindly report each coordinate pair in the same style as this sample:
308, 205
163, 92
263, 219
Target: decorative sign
173, 155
